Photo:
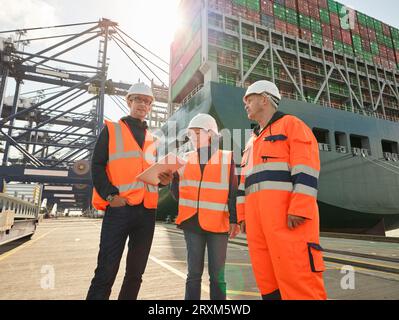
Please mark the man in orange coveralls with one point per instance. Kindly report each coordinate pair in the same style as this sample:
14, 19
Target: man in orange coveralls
276, 203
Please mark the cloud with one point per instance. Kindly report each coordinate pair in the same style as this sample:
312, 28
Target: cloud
26, 14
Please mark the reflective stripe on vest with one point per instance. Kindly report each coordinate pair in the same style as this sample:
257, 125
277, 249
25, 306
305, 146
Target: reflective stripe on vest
224, 178
203, 205
305, 180
199, 193
278, 176
241, 194
121, 154
269, 176
126, 160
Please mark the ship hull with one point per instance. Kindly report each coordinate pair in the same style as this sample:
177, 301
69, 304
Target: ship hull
356, 193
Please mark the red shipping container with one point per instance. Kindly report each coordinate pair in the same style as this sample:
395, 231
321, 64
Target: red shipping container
305, 35
383, 51
377, 60
266, 7
385, 63
334, 20
228, 7
314, 12
280, 25
323, 4
303, 7
356, 29
290, 4
364, 32
220, 5
313, 2
346, 37
366, 45
390, 54
186, 58
386, 30
292, 30
326, 30
336, 33
239, 11
253, 16
328, 43
372, 35
397, 56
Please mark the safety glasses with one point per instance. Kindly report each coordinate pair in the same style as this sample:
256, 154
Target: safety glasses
141, 100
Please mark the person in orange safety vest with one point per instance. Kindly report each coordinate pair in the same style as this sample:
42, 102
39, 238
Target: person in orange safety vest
205, 189
276, 203
123, 150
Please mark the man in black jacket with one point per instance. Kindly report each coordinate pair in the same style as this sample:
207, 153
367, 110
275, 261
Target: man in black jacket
121, 220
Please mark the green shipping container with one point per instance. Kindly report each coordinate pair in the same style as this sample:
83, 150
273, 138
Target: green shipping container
338, 46
378, 26
374, 48
317, 39
304, 22
388, 42
348, 49
362, 19
315, 26
370, 23
324, 16
227, 78
291, 16
332, 6
187, 75
341, 10
357, 40
395, 33
358, 52
279, 11
253, 5
368, 57
240, 2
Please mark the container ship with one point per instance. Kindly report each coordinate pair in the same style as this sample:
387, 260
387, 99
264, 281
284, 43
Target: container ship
337, 70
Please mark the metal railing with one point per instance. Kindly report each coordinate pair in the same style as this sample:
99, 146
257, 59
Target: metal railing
192, 94
22, 209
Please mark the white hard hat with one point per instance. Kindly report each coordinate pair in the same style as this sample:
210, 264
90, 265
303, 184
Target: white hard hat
204, 121
140, 88
263, 86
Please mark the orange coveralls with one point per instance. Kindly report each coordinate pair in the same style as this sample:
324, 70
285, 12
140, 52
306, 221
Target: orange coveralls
280, 170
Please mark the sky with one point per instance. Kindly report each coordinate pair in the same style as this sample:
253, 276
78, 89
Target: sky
150, 22
384, 10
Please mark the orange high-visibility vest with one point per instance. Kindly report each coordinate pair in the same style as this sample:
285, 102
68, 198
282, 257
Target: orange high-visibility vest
126, 161
206, 194
280, 171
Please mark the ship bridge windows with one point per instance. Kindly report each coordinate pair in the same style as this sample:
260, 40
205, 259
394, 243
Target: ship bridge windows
341, 143
360, 145
323, 138
390, 150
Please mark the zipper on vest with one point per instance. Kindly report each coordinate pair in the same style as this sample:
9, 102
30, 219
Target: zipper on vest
199, 189
199, 186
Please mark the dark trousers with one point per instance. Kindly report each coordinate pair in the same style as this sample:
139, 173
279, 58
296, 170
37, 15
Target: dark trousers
216, 245
136, 223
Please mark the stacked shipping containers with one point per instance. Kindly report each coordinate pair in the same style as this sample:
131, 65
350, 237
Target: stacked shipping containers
321, 22
186, 48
